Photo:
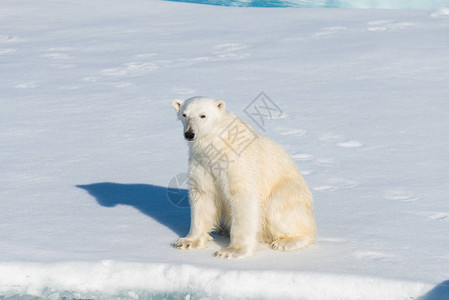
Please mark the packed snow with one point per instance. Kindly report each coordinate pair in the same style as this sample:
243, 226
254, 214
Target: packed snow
93, 160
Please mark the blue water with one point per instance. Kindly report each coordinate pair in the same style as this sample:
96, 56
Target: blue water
363, 4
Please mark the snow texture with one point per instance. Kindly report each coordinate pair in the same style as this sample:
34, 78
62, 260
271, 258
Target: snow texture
89, 143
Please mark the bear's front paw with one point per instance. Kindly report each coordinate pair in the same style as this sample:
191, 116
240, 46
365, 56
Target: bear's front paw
186, 243
232, 253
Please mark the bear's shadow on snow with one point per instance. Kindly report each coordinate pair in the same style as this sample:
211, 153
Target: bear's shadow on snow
169, 206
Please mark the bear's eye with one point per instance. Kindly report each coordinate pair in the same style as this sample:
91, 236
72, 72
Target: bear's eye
184, 115
202, 116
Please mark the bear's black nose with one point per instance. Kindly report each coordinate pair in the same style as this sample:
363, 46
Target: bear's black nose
189, 135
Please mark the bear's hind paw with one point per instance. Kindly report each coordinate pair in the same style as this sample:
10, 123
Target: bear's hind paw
232, 253
187, 244
291, 244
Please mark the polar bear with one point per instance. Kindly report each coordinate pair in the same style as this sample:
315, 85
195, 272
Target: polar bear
241, 181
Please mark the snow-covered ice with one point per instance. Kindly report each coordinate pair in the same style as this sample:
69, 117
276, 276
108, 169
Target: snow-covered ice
89, 143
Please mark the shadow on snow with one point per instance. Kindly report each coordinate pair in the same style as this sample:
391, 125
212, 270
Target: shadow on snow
168, 206
440, 292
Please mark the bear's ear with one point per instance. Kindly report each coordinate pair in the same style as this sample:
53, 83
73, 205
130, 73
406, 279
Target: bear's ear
221, 105
177, 104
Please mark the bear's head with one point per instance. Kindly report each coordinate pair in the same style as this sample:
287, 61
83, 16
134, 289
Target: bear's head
198, 115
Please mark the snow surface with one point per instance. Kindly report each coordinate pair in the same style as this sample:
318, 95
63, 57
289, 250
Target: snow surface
89, 142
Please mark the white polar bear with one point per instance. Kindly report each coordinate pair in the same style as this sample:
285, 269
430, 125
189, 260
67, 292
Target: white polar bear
241, 181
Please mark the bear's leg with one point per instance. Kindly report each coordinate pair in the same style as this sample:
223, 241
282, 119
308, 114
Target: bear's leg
244, 227
204, 217
289, 217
